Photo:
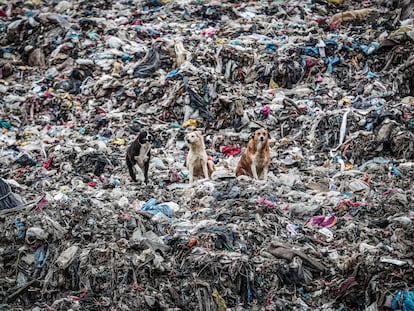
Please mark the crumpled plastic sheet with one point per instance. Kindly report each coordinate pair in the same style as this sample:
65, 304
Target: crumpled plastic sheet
331, 229
150, 65
7, 198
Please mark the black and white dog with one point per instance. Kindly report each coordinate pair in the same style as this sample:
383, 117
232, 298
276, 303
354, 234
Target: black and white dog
138, 156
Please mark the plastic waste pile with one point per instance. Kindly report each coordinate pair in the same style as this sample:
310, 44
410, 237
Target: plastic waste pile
332, 227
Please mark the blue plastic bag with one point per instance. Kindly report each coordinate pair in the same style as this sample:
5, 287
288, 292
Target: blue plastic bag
404, 300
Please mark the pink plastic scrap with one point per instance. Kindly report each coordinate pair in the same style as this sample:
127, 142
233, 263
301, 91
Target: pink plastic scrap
323, 221
268, 203
265, 110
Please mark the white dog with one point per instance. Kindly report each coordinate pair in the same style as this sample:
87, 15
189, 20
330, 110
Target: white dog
197, 161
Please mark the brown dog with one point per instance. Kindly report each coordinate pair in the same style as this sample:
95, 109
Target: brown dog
256, 158
197, 160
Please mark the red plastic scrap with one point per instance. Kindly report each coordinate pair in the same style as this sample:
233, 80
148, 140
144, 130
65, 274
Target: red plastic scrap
92, 184
165, 115
100, 110
390, 191
125, 216
231, 150
310, 61
40, 205
322, 21
408, 116
137, 287
81, 296
19, 172
335, 25
47, 163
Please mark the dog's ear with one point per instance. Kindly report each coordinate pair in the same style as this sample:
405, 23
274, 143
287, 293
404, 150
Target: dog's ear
268, 135
199, 134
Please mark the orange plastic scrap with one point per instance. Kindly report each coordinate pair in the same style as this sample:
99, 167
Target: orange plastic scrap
194, 242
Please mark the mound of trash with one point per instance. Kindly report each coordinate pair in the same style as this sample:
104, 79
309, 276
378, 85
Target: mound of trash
330, 229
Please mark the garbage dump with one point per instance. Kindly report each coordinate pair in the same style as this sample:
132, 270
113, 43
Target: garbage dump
331, 228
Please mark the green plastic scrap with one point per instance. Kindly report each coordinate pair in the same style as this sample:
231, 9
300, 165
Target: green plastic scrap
5, 124
93, 35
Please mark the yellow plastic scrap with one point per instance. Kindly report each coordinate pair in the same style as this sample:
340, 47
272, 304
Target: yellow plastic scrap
119, 141
284, 140
220, 302
34, 2
346, 100
403, 29
348, 167
64, 189
191, 122
117, 68
273, 84
335, 1
344, 208
66, 96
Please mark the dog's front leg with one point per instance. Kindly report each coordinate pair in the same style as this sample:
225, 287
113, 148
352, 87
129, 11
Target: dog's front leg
205, 170
139, 172
265, 171
191, 173
254, 171
131, 169
146, 169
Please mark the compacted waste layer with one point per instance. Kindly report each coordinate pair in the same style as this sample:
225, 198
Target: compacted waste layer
330, 229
